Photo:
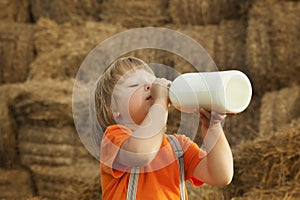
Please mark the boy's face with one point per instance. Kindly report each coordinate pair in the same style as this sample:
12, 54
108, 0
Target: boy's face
132, 95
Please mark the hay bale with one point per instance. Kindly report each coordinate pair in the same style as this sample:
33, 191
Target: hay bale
44, 103
135, 13
43, 114
269, 161
73, 182
279, 108
272, 30
15, 184
14, 11
16, 51
203, 12
46, 133
60, 57
65, 10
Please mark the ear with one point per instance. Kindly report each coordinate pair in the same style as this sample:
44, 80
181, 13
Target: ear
116, 114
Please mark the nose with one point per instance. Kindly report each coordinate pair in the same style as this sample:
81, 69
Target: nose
147, 86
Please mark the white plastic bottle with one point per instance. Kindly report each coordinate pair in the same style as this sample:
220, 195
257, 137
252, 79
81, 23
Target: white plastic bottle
227, 92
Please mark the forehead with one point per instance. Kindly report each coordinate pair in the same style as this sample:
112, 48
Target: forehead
137, 74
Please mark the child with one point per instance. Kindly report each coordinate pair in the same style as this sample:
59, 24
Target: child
132, 106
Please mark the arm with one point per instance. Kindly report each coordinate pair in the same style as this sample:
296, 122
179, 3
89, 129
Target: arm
217, 167
144, 143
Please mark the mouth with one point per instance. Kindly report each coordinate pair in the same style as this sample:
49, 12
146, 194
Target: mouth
149, 98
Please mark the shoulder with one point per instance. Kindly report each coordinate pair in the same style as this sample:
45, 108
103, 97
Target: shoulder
116, 134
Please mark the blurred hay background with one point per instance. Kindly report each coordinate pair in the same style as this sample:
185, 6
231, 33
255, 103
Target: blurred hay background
42, 44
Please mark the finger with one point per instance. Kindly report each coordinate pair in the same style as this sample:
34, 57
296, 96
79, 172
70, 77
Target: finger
169, 83
205, 113
204, 121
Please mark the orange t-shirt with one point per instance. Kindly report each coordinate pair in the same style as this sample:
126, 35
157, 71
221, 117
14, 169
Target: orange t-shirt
158, 180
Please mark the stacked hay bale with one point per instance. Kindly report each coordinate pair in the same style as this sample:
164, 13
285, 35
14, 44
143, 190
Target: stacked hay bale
46, 136
37, 123
134, 13
35, 110
16, 51
48, 142
65, 10
272, 44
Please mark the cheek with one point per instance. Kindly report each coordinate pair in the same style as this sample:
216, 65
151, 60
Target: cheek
135, 101
135, 106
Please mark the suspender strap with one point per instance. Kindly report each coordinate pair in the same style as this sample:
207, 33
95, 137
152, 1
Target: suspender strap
133, 182
179, 154
134, 172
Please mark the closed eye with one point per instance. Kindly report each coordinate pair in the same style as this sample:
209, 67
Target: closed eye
134, 85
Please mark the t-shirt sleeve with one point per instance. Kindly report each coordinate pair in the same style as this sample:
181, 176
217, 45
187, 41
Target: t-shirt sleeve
112, 140
192, 156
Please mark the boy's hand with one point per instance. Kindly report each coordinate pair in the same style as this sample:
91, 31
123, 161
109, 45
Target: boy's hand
160, 91
209, 119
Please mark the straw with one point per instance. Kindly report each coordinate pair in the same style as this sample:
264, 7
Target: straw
17, 51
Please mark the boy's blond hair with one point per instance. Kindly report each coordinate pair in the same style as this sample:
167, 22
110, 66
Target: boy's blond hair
106, 84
